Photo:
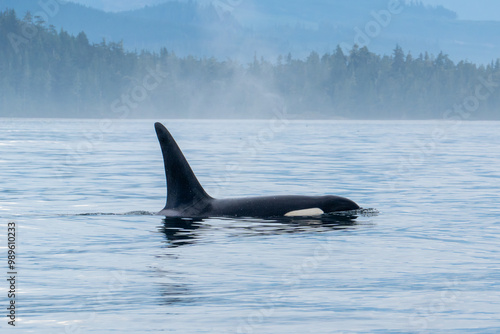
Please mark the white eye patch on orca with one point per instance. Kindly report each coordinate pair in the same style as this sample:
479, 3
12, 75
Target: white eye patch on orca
305, 213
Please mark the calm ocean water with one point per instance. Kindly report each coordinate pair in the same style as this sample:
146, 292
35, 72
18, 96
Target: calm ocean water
91, 259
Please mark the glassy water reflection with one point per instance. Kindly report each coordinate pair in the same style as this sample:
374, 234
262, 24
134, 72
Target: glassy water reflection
93, 258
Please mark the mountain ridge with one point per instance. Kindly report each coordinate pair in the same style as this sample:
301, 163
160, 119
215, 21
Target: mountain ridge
242, 29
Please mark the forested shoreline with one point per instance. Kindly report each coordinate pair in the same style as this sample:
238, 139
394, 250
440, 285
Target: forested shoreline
49, 73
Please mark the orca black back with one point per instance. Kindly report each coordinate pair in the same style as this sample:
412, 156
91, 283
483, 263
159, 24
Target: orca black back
186, 198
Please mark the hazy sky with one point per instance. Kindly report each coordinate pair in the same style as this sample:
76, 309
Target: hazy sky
466, 9
471, 10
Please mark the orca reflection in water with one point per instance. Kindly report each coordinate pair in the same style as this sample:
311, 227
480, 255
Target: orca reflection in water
184, 231
187, 198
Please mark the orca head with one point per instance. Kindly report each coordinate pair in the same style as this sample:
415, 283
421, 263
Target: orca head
336, 203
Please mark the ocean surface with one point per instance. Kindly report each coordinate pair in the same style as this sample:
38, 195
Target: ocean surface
91, 257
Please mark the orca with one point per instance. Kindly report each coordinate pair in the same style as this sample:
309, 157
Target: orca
186, 198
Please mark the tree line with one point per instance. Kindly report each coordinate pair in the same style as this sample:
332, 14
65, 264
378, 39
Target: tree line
50, 73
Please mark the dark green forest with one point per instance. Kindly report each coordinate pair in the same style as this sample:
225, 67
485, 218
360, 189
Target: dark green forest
50, 73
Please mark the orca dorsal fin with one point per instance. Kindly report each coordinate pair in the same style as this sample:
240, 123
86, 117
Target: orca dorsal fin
183, 188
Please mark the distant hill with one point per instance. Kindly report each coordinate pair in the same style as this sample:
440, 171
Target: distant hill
49, 73
241, 29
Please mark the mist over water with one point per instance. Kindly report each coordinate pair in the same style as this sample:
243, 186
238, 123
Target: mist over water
329, 66
427, 263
